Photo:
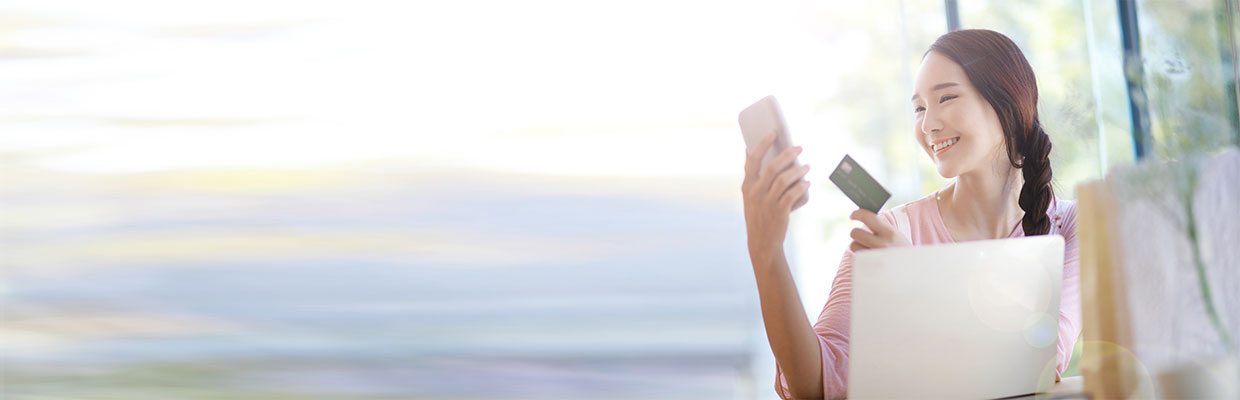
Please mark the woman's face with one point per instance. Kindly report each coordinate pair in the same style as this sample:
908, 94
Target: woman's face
953, 123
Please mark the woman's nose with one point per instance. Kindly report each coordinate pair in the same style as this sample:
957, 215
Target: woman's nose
930, 124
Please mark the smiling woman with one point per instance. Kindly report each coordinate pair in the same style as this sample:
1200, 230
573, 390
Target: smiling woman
994, 70
976, 118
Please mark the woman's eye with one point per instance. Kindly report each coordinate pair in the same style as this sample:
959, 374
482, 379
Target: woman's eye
946, 98
919, 109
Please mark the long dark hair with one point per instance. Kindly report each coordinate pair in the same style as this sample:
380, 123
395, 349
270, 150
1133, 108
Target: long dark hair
998, 70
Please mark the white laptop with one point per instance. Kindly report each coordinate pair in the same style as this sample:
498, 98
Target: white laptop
964, 320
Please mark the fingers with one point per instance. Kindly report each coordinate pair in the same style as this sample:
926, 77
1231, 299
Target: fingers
854, 247
865, 238
786, 179
790, 196
870, 219
777, 165
753, 162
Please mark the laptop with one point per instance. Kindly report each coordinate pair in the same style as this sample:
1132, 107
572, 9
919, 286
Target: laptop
974, 319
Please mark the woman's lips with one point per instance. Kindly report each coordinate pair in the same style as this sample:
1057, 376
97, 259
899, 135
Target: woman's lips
953, 143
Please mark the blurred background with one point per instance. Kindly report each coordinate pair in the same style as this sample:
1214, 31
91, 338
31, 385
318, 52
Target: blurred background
484, 199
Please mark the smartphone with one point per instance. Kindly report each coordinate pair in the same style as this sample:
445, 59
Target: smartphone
761, 118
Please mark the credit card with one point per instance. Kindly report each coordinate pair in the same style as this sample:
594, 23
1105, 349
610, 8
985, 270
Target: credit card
858, 185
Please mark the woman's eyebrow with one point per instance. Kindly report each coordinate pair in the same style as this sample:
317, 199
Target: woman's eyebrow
937, 87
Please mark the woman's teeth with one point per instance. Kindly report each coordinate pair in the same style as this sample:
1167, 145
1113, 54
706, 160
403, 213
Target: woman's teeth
943, 145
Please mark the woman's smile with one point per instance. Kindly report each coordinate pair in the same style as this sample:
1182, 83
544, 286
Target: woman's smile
943, 145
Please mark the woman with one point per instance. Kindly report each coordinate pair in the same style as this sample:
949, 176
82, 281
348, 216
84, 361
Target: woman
975, 115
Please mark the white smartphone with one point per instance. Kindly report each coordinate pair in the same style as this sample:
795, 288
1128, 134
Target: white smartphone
761, 118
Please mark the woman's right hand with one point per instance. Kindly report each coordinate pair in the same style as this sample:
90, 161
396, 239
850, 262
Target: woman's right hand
770, 196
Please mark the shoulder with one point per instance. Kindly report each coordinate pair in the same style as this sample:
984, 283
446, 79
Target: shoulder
914, 209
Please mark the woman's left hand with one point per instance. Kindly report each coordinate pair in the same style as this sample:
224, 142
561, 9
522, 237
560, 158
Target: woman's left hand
879, 236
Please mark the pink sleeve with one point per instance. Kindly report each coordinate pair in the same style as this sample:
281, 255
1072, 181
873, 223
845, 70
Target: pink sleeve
832, 329
1070, 296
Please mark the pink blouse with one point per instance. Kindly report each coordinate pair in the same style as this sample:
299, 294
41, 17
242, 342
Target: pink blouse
923, 224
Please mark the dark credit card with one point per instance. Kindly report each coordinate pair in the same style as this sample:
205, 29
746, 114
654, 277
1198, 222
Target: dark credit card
859, 186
